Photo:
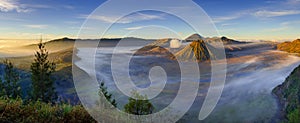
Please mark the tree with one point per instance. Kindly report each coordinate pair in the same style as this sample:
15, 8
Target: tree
10, 86
139, 106
107, 95
41, 71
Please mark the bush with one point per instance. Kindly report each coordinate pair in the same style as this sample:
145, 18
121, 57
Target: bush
139, 106
39, 112
293, 116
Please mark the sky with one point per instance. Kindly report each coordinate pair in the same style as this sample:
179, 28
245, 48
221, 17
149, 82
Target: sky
238, 19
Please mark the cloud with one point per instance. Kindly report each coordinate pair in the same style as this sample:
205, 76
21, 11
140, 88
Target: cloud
225, 18
37, 6
135, 28
68, 7
12, 5
227, 24
275, 9
279, 29
292, 2
127, 19
268, 14
290, 23
72, 22
36, 26
15, 5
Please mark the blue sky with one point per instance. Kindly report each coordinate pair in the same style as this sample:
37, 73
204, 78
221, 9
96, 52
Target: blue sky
238, 19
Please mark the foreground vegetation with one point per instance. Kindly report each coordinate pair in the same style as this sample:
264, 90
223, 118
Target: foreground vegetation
288, 94
15, 110
40, 103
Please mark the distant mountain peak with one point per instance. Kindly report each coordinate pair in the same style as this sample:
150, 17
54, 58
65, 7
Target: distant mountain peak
62, 39
66, 38
194, 37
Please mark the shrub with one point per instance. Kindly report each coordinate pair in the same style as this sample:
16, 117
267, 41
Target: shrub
13, 110
139, 106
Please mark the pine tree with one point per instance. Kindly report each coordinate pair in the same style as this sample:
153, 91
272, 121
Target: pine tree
10, 86
139, 106
41, 71
107, 95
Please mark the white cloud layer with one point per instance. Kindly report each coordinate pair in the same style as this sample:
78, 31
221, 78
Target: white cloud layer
37, 26
265, 13
128, 19
135, 28
11, 5
15, 5
225, 18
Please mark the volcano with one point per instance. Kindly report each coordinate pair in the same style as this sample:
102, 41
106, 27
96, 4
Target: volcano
196, 51
193, 37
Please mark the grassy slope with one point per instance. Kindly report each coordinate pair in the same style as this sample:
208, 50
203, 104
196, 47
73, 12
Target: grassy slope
288, 94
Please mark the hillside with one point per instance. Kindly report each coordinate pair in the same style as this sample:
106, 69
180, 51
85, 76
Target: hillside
63, 59
291, 47
288, 94
54, 45
62, 76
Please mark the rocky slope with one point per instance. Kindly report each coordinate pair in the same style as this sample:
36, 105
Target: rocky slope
156, 48
196, 51
193, 37
288, 94
291, 47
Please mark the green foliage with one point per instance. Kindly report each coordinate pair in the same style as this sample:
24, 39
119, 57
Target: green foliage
294, 116
289, 93
41, 71
39, 112
10, 86
108, 96
139, 106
